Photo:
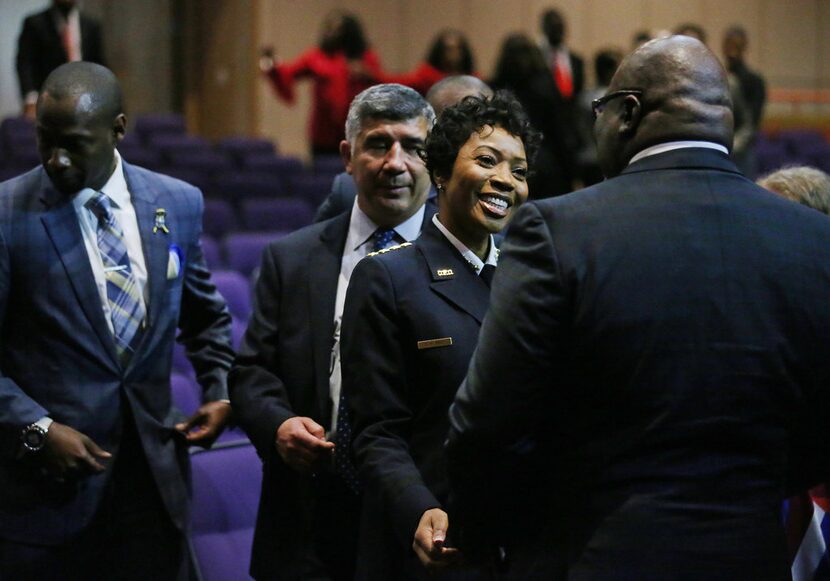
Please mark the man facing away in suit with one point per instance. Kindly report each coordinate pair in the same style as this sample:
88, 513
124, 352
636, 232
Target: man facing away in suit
57, 35
100, 263
285, 382
656, 354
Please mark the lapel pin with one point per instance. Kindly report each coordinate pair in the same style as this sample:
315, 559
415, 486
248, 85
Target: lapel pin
444, 272
161, 221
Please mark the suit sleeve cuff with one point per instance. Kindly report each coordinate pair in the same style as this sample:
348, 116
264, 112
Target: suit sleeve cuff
411, 503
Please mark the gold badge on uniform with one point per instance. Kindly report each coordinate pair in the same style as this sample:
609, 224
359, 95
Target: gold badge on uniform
444, 272
432, 343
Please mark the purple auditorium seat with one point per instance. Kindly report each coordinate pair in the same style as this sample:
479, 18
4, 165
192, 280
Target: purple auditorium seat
285, 214
211, 252
771, 155
239, 148
7, 173
282, 166
15, 129
186, 393
329, 165
226, 487
236, 290
204, 161
139, 155
219, 218
181, 364
193, 177
798, 139
174, 143
243, 251
312, 188
238, 329
149, 125
235, 187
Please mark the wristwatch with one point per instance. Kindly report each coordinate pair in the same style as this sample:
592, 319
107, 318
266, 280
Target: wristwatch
33, 436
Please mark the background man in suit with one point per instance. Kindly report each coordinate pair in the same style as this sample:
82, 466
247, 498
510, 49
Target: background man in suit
286, 379
100, 262
444, 93
652, 346
751, 89
568, 71
58, 35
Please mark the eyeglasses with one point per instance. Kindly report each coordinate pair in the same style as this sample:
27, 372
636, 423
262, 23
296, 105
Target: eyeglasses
597, 105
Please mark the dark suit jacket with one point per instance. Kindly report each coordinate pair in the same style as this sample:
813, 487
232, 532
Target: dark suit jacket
342, 195
58, 357
40, 50
652, 343
399, 392
282, 371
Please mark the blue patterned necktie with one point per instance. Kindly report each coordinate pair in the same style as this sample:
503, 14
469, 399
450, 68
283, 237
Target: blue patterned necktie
123, 294
382, 238
343, 463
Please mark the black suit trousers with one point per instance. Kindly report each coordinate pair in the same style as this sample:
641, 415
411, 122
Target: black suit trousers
131, 537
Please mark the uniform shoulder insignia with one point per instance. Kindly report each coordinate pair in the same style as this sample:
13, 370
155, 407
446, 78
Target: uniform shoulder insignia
390, 249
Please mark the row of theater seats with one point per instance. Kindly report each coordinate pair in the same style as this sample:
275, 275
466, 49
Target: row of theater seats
793, 147
233, 169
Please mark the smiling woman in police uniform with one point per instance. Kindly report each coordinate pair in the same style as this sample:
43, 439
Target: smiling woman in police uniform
410, 324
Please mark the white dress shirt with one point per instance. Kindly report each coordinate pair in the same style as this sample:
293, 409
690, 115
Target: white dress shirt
672, 145
358, 245
469, 255
122, 208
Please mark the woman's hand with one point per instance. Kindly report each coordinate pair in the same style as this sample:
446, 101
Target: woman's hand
429, 539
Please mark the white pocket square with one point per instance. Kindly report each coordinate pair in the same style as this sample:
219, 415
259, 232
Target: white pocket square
174, 264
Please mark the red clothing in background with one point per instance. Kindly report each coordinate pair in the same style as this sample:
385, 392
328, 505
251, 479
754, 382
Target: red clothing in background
420, 79
334, 89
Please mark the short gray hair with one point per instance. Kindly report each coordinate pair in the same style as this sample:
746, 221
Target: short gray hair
803, 184
391, 102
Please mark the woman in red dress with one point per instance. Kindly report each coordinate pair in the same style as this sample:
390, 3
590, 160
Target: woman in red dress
449, 54
340, 66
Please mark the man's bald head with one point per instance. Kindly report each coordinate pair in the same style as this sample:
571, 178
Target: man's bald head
79, 123
451, 90
685, 96
94, 86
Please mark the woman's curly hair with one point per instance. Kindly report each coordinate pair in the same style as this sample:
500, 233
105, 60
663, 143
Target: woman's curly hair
458, 122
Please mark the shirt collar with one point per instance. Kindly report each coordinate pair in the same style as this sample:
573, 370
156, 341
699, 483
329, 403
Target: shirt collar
361, 227
672, 145
115, 188
469, 255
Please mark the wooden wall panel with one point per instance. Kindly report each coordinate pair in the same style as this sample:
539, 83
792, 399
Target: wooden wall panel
790, 41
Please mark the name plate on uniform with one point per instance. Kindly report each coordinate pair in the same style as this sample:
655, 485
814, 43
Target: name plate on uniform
433, 343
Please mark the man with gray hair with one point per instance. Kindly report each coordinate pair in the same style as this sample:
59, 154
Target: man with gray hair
448, 91
286, 380
803, 184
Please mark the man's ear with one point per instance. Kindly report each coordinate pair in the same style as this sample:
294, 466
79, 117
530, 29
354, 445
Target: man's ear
346, 155
631, 114
119, 127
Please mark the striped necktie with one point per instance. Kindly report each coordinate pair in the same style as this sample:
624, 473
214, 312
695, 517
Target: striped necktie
123, 293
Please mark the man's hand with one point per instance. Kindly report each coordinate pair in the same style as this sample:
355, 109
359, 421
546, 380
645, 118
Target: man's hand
301, 443
68, 453
429, 539
205, 425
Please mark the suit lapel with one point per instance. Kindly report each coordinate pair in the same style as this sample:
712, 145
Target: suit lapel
61, 223
324, 261
154, 246
453, 278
